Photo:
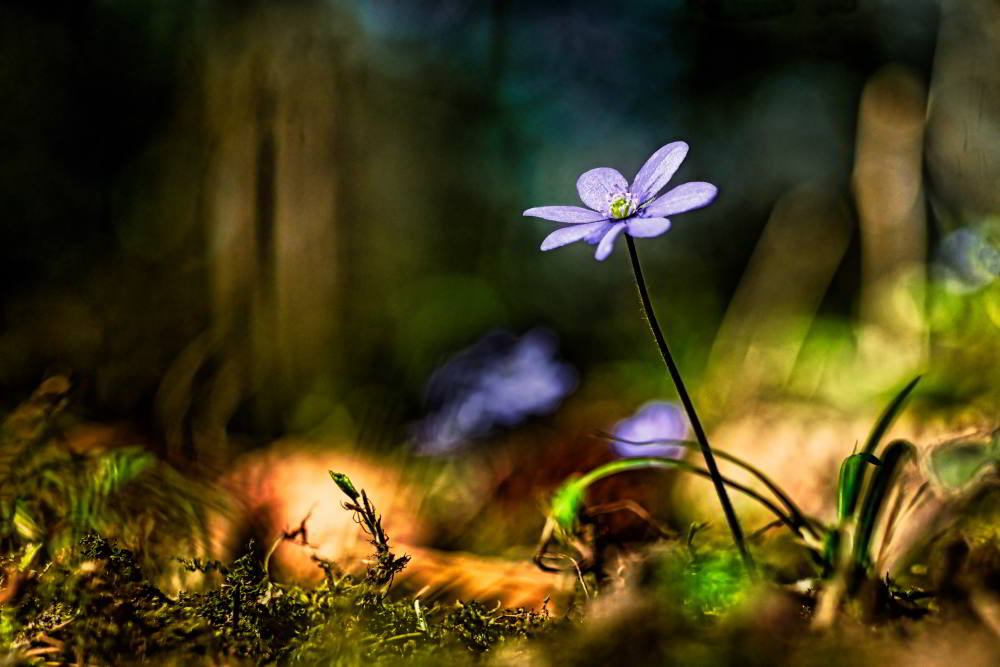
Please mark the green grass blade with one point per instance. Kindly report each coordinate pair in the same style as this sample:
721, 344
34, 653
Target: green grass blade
885, 477
849, 485
888, 416
853, 479
831, 551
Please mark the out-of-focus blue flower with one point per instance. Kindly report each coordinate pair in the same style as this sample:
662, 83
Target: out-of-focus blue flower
616, 206
656, 423
970, 258
498, 382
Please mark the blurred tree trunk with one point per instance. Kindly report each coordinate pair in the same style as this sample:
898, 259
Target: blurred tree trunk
269, 99
888, 184
963, 150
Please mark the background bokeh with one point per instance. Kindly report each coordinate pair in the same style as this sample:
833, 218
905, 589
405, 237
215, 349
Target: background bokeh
271, 217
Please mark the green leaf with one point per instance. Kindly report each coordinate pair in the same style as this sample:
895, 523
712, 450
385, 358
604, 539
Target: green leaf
849, 486
888, 416
831, 551
25, 524
955, 464
955, 467
853, 478
885, 477
28, 557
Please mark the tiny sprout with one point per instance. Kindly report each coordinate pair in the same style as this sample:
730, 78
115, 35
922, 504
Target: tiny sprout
345, 484
567, 501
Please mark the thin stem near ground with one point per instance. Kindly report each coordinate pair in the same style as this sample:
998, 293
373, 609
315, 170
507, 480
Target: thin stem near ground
699, 431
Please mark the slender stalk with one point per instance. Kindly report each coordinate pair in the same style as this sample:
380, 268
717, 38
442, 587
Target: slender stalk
699, 432
800, 518
652, 462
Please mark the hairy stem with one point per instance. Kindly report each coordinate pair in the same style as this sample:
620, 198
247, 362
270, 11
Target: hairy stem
699, 432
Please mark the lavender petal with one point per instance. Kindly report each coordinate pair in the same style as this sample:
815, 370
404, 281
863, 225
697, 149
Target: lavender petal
566, 235
607, 244
657, 423
645, 228
569, 214
597, 186
658, 170
657, 450
683, 198
595, 237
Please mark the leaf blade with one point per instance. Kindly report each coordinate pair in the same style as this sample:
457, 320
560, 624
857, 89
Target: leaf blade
849, 484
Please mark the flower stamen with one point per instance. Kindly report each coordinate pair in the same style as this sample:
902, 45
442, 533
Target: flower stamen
622, 205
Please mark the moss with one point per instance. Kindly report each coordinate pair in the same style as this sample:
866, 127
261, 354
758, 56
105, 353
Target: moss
72, 594
479, 629
714, 583
96, 600
97, 605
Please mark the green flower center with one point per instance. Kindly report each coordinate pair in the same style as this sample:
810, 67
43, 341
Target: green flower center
622, 206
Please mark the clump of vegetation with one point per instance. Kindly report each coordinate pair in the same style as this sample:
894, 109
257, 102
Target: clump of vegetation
96, 599
94, 604
831, 569
51, 496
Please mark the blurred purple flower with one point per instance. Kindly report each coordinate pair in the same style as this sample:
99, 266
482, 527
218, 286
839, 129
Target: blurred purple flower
616, 206
969, 258
498, 382
656, 423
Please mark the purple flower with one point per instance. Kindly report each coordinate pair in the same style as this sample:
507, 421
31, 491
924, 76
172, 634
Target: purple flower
616, 206
970, 259
656, 423
498, 382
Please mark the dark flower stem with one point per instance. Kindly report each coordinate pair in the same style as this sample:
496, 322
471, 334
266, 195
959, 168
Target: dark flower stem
699, 432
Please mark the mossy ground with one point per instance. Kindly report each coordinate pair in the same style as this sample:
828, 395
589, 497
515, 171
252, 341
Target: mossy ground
682, 605
98, 607
70, 594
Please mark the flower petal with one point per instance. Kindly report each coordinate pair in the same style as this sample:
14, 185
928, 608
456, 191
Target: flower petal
570, 214
652, 431
644, 228
566, 235
607, 244
681, 199
595, 237
658, 169
597, 186
660, 450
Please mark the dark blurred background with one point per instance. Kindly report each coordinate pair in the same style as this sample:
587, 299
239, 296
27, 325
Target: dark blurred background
267, 217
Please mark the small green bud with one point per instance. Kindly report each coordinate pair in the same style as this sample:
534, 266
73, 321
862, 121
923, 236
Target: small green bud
345, 484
